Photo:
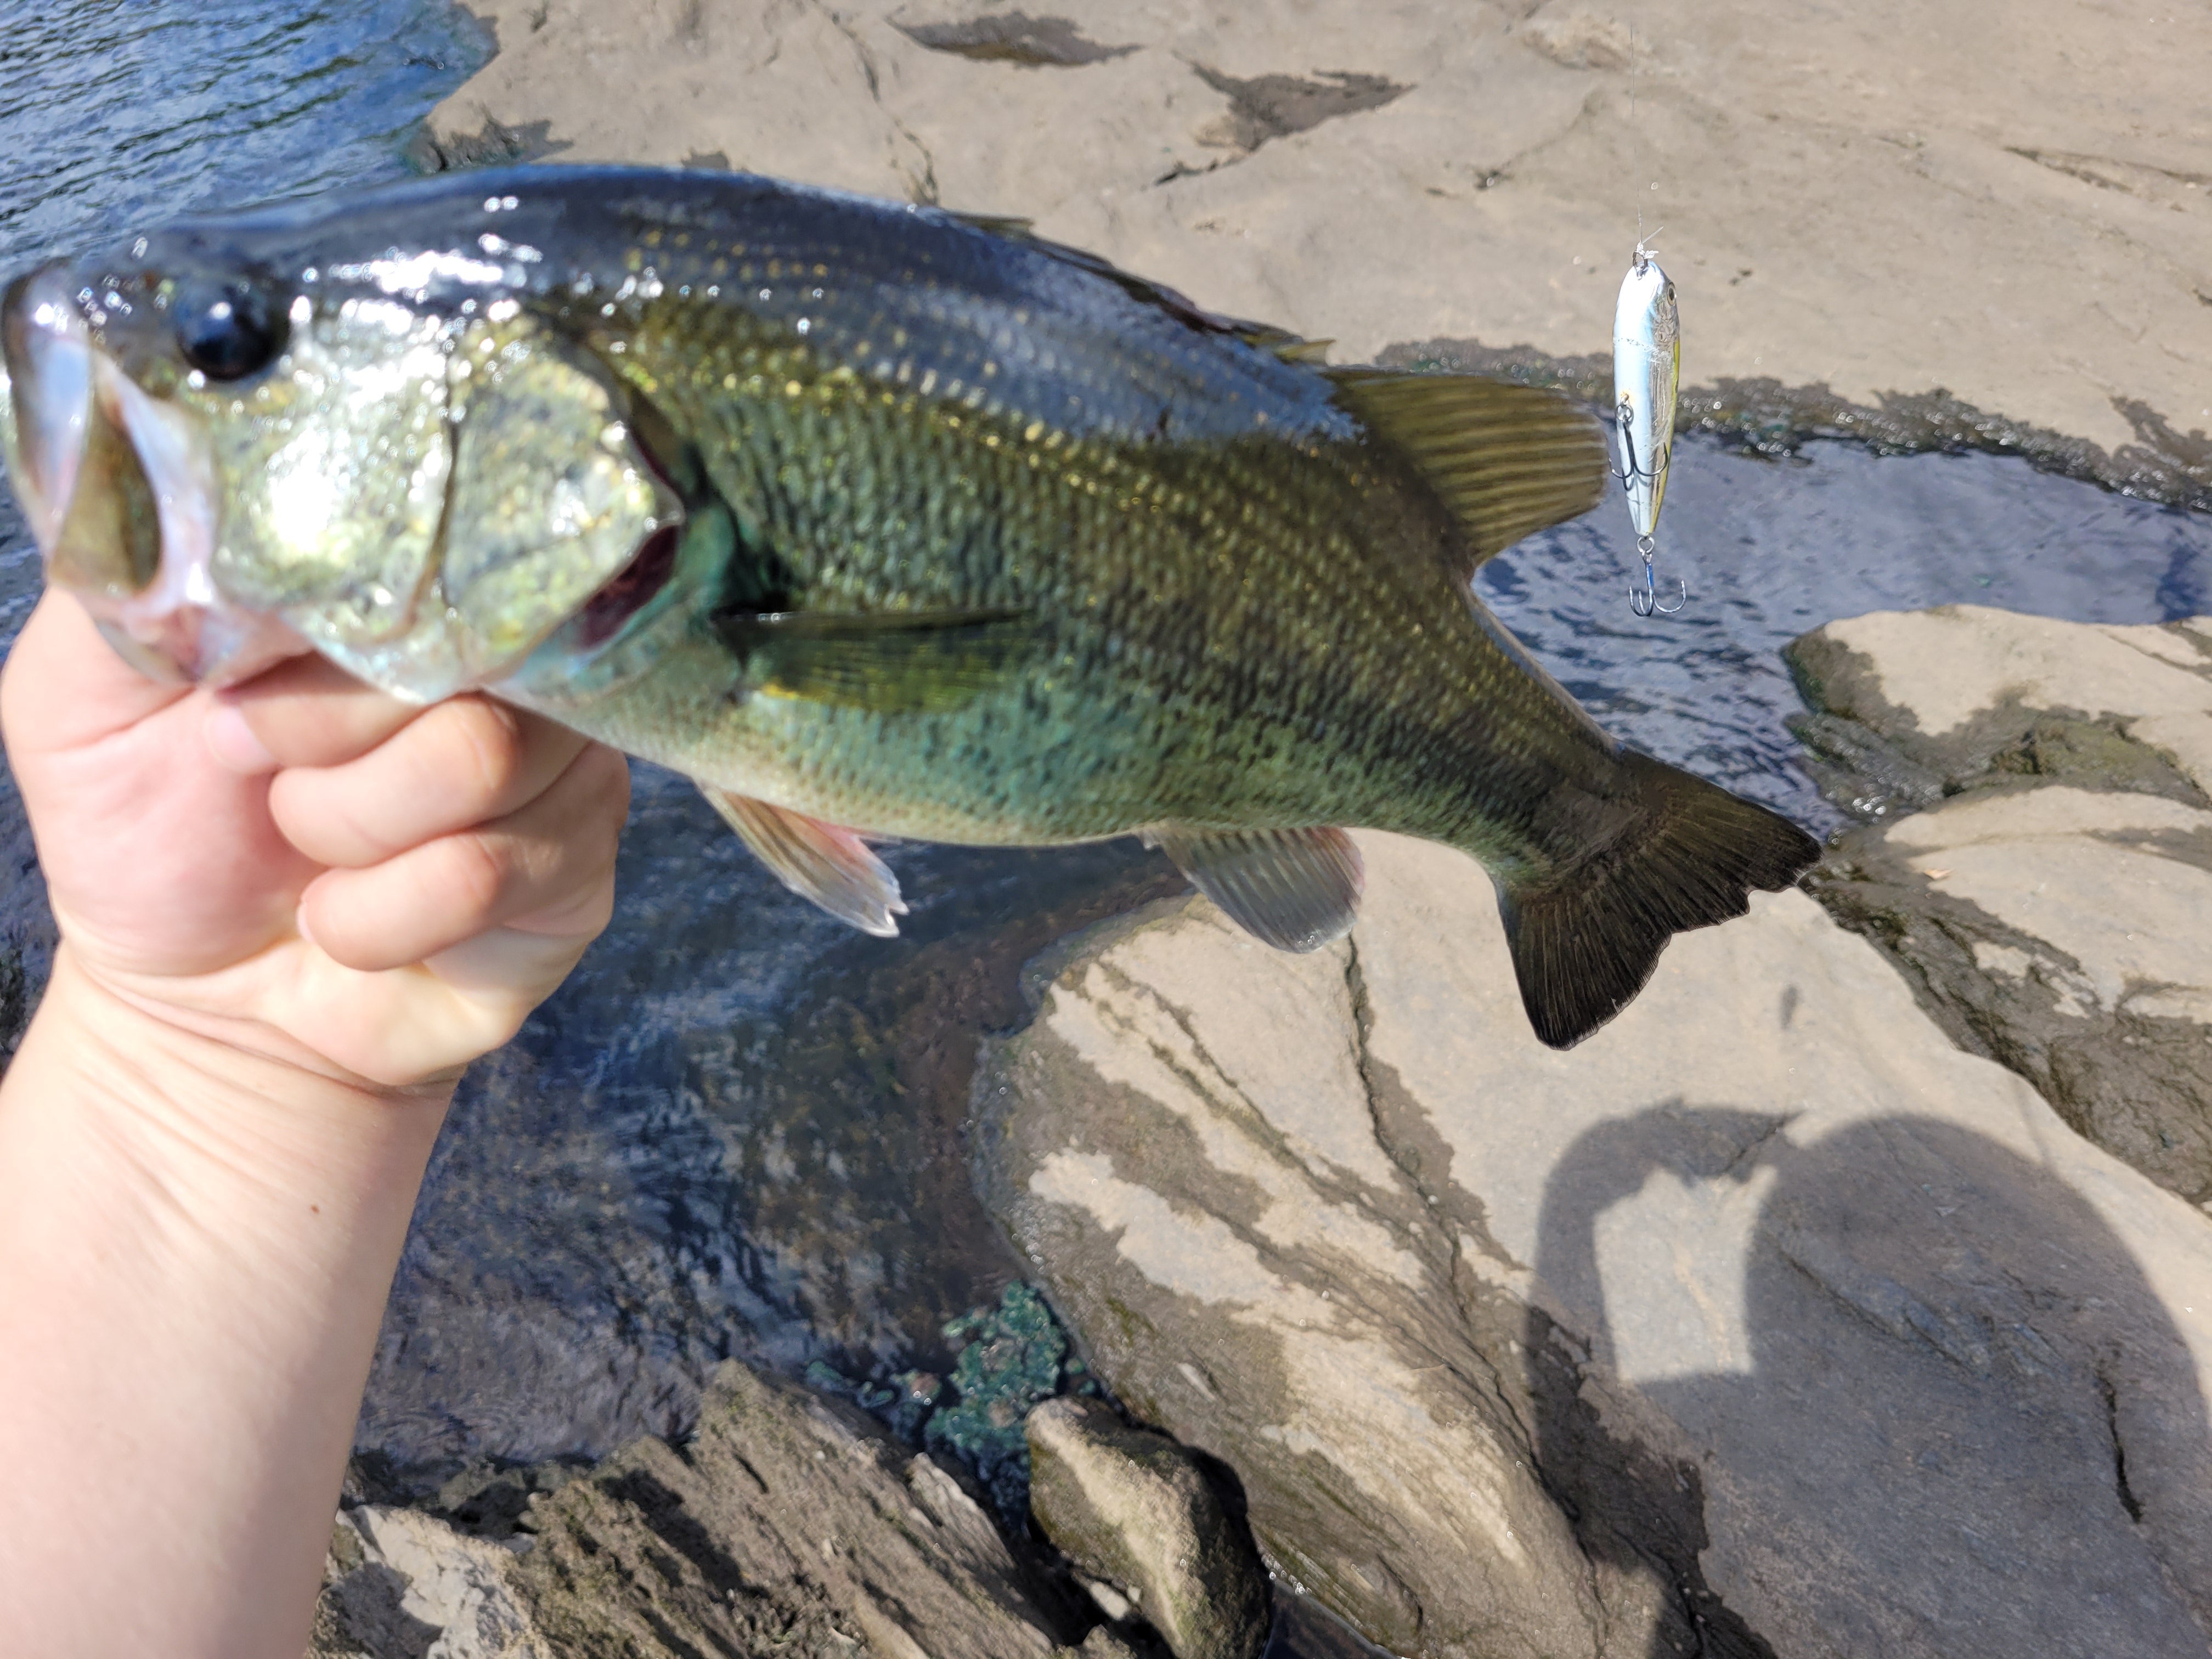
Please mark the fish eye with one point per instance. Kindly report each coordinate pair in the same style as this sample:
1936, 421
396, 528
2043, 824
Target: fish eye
230, 332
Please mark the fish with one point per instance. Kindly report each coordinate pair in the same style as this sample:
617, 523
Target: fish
877, 520
1647, 370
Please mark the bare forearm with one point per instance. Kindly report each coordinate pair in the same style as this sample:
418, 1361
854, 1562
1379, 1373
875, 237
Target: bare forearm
196, 1245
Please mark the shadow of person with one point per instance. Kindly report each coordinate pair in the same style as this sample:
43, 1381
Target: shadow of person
1896, 1391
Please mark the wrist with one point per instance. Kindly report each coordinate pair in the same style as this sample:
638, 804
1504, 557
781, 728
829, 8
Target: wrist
196, 1238
203, 1106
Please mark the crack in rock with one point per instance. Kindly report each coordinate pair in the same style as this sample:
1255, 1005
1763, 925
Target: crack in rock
922, 189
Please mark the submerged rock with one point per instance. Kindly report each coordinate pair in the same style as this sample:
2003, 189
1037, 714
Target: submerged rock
1765, 1322
1137, 1510
2050, 908
786, 1524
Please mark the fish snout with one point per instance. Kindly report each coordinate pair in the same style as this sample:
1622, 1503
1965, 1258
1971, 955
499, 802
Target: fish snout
120, 491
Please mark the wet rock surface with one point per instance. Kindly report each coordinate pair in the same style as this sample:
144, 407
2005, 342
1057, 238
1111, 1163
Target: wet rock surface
1144, 1516
787, 1524
1764, 1321
2047, 902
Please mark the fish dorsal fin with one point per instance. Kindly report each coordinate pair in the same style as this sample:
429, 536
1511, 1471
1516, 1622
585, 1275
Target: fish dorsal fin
889, 662
1291, 348
1296, 890
1508, 459
1012, 227
817, 860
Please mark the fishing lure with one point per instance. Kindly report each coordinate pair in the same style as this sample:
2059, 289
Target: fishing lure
1647, 366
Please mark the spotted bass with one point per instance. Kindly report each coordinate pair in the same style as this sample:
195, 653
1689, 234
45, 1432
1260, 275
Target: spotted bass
876, 520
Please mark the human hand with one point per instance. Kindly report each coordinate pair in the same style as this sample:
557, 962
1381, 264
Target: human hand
302, 867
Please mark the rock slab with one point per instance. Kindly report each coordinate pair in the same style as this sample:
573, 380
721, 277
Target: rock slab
786, 1524
2012, 214
2050, 902
1765, 1323
1137, 1510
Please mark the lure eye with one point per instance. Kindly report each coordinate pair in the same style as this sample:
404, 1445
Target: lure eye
230, 332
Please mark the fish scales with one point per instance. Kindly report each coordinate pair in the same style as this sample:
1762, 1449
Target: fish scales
870, 518
1322, 600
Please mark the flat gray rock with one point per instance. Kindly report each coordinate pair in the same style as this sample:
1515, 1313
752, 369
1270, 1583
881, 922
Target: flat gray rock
1765, 1322
2019, 215
2050, 905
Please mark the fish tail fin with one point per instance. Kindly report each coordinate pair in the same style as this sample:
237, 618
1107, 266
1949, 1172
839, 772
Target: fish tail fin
1586, 940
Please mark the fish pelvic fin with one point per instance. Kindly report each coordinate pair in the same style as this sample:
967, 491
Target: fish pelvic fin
1507, 459
1297, 890
1586, 940
820, 861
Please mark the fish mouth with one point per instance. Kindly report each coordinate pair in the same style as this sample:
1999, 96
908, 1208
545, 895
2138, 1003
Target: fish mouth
47, 351
120, 491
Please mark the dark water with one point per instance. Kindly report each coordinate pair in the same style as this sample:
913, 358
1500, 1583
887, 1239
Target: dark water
740, 1129
113, 110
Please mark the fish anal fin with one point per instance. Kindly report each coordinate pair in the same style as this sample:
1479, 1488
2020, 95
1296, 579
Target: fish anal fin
1297, 890
819, 861
889, 662
1507, 459
1586, 940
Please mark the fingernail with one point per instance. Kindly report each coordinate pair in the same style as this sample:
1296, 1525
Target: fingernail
232, 742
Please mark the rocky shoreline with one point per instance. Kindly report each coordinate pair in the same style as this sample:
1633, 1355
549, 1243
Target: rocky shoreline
1839, 1339
1768, 1319
1852, 1292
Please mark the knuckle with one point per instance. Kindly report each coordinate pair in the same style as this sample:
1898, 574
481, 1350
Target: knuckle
488, 746
607, 784
478, 871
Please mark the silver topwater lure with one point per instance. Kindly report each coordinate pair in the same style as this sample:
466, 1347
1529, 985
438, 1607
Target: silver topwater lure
1647, 365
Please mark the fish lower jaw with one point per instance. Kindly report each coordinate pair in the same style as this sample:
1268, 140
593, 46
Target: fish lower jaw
194, 644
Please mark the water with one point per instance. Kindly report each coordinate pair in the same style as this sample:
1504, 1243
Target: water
1772, 548
740, 1127
116, 110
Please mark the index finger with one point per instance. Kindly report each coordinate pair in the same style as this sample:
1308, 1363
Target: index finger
66, 689
305, 712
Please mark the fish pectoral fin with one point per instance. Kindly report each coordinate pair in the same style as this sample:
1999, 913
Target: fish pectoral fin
1296, 890
819, 861
892, 662
1508, 459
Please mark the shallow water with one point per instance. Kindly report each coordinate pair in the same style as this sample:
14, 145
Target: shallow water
1770, 549
740, 1129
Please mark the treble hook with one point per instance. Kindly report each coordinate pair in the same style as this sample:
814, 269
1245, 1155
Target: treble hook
1645, 601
